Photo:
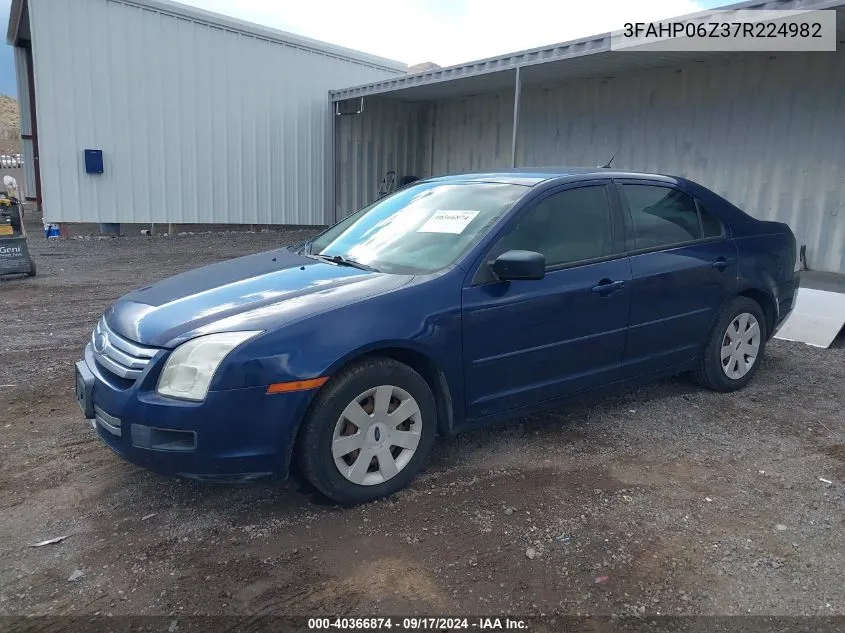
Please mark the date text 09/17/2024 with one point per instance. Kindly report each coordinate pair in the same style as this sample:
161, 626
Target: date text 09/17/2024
418, 624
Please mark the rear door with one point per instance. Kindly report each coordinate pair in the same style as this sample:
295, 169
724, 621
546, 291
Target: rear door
684, 266
529, 341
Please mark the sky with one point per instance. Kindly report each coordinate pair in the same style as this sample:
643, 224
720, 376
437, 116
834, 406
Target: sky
445, 32
7, 57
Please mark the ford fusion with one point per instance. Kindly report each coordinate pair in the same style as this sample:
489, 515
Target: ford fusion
450, 304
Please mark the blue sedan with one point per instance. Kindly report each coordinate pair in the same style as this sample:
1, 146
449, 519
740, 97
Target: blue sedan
448, 305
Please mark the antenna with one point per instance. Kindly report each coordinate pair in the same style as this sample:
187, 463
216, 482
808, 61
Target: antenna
611, 159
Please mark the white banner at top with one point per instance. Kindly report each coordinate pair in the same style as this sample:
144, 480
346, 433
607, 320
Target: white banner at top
732, 30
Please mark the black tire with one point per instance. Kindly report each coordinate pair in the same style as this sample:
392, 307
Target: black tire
710, 372
32, 269
314, 443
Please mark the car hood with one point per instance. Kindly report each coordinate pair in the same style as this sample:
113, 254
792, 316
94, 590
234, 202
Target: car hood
256, 292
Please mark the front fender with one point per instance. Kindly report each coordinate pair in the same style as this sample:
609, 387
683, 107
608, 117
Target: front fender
374, 347
423, 317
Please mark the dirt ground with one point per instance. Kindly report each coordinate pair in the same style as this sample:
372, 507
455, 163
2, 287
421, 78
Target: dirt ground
664, 500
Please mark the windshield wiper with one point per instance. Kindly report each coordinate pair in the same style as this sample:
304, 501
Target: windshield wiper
342, 261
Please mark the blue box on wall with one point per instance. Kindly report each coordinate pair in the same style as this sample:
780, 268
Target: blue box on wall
93, 161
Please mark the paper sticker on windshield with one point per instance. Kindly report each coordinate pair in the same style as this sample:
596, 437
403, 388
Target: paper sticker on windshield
446, 221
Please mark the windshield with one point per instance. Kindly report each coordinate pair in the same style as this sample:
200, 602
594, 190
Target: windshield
421, 229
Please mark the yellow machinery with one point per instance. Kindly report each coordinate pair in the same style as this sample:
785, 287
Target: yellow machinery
14, 254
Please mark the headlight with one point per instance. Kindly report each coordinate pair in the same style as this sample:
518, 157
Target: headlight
188, 372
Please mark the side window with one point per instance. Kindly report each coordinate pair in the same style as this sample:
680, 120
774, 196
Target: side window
710, 224
664, 216
570, 226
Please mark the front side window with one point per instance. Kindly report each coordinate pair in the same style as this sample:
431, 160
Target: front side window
421, 229
662, 216
567, 227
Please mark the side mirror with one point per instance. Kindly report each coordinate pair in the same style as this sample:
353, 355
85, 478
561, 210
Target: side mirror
514, 265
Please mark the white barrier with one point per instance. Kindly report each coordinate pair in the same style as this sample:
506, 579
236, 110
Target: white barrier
10, 161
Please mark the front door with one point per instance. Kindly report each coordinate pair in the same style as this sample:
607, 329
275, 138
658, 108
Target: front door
526, 342
684, 267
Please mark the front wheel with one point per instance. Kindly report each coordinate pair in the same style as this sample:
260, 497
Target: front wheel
735, 348
368, 432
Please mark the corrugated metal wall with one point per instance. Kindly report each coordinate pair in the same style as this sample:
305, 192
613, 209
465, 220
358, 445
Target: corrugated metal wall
766, 133
28, 185
197, 123
387, 135
472, 134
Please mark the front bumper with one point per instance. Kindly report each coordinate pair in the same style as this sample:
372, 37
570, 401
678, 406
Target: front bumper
235, 434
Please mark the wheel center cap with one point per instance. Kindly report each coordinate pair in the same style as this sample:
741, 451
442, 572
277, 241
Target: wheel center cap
377, 435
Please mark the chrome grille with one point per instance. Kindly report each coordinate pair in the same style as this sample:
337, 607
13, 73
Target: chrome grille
119, 355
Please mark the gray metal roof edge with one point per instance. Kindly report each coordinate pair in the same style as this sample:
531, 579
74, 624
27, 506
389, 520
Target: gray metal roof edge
591, 45
543, 54
15, 12
210, 18
250, 28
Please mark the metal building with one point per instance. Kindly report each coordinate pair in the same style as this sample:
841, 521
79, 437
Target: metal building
766, 131
198, 117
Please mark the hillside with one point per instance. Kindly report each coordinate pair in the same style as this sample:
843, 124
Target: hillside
9, 113
9, 126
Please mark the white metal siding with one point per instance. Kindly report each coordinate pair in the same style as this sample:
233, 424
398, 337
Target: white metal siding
197, 123
767, 134
27, 187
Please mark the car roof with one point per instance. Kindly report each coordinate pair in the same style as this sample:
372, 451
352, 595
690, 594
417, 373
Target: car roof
535, 176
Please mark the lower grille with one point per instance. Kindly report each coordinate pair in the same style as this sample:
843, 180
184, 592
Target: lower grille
163, 439
108, 422
118, 355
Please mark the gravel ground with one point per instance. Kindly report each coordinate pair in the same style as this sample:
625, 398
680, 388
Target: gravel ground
664, 500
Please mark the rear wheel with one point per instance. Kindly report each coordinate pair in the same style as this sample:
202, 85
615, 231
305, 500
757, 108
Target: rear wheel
368, 432
735, 348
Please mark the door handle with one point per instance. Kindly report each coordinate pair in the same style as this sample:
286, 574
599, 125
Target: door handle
606, 286
722, 263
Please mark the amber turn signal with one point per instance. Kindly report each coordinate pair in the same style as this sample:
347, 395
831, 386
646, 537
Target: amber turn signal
296, 385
